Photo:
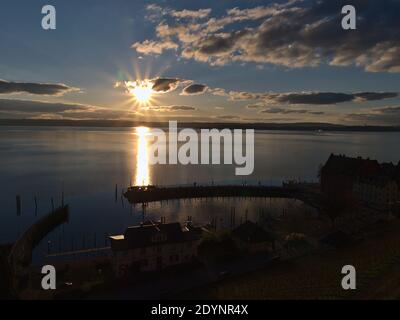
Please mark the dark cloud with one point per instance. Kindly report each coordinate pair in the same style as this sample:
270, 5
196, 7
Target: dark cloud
255, 106
228, 117
377, 116
32, 109
194, 89
182, 108
165, 84
328, 97
291, 34
170, 108
388, 110
7, 87
11, 105
372, 96
311, 98
243, 95
219, 44
291, 111
314, 98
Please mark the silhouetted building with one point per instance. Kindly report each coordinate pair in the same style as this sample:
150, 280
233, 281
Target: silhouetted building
154, 246
364, 180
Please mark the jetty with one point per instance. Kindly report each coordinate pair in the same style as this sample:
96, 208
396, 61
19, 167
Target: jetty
145, 194
20, 256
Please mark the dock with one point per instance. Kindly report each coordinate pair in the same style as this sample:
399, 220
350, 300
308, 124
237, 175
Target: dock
147, 194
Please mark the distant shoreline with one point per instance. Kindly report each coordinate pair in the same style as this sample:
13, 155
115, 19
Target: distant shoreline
198, 125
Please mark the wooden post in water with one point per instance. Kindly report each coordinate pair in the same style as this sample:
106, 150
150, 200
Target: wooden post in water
116, 192
143, 211
18, 199
36, 207
52, 204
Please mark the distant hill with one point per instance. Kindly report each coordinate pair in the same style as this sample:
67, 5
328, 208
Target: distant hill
257, 126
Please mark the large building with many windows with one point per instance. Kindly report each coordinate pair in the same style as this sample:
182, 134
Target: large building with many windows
153, 246
361, 180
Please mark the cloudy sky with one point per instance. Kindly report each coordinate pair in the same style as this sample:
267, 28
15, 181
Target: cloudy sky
214, 61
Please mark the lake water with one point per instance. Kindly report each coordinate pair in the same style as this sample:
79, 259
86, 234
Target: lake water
87, 163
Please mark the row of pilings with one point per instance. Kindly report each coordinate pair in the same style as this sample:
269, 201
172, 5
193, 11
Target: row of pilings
20, 256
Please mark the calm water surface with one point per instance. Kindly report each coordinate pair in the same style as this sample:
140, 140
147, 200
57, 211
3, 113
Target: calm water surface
87, 163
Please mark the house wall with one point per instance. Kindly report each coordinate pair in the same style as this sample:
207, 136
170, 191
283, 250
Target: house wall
336, 186
152, 258
377, 196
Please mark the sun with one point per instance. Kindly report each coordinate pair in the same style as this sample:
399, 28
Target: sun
141, 90
142, 93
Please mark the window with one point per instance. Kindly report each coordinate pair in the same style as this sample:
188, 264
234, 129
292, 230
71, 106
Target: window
159, 238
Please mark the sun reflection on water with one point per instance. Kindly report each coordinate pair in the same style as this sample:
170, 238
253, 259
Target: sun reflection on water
142, 177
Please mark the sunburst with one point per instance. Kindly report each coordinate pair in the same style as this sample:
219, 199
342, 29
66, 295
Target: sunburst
142, 91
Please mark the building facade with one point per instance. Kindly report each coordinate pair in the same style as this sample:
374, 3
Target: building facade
361, 180
153, 246
377, 192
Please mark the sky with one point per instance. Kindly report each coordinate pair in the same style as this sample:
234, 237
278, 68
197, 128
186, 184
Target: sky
212, 61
